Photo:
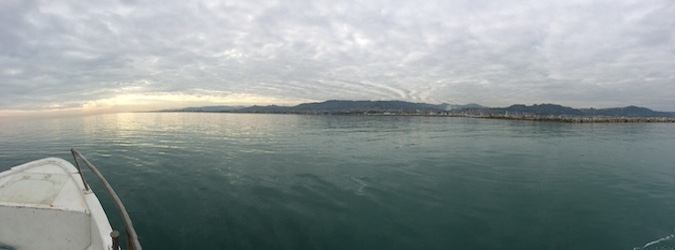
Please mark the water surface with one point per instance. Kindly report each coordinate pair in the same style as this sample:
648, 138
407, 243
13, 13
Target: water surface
245, 181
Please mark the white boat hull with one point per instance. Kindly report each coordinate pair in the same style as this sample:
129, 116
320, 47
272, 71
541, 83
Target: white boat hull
44, 205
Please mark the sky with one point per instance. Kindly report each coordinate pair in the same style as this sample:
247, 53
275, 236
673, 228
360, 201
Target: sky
109, 56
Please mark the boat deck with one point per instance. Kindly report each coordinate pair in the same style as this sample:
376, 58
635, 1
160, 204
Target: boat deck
44, 205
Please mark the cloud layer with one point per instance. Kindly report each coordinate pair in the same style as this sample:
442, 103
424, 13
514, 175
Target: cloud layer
77, 54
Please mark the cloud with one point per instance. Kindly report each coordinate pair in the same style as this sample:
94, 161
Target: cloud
75, 54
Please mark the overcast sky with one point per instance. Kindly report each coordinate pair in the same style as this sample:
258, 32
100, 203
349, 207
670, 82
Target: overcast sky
101, 55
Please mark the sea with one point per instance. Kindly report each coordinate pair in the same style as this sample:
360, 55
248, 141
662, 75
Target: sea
266, 181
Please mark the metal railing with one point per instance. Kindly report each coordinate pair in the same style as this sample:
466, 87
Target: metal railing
132, 238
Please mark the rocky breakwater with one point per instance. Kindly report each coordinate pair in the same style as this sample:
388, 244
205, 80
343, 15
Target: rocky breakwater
582, 119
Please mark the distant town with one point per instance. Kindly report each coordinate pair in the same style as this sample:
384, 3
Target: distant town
536, 112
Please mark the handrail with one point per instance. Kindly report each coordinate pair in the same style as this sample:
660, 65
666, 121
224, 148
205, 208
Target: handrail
132, 238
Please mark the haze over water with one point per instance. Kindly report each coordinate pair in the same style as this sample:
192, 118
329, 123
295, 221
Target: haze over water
245, 181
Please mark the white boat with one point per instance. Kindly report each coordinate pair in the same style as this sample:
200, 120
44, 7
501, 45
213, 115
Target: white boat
47, 204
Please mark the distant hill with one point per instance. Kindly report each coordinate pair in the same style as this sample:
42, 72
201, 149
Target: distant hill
559, 110
337, 106
265, 109
460, 107
205, 109
541, 109
401, 107
630, 111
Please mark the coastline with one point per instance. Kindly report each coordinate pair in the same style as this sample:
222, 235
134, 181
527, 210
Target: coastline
535, 118
582, 119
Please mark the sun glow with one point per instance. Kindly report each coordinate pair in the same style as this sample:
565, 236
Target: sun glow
150, 101
161, 100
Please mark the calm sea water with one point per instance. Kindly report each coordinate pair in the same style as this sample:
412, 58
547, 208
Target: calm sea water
244, 181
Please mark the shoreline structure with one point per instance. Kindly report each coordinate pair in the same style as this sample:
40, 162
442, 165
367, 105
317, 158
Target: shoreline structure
581, 119
536, 112
536, 118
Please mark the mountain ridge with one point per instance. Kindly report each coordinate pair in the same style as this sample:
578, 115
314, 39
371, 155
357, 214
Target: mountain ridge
403, 107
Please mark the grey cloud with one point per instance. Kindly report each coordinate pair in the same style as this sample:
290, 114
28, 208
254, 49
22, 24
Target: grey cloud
599, 53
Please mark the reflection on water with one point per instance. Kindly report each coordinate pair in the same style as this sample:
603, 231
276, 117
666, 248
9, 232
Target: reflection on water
213, 181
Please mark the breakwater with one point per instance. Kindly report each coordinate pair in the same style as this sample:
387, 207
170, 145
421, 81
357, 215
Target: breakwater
563, 119
581, 119
524, 117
